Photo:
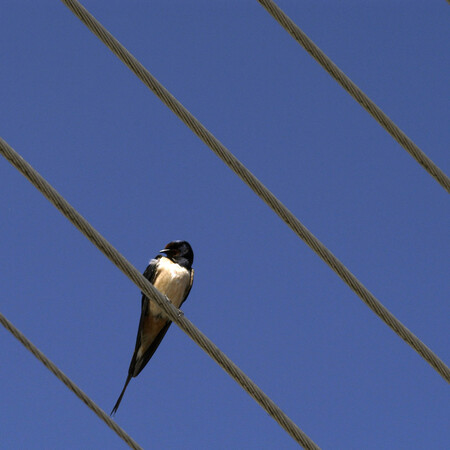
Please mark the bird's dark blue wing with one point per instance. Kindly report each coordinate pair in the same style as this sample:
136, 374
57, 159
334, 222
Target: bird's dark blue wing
149, 273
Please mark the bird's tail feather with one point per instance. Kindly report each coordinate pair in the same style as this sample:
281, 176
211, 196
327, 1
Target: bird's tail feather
116, 406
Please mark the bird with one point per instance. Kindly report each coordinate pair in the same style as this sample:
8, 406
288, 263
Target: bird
173, 275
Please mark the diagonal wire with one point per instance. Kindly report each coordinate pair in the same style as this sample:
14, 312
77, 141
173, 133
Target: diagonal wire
68, 382
279, 208
151, 292
278, 14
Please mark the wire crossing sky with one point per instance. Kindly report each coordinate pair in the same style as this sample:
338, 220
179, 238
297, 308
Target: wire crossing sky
356, 93
68, 382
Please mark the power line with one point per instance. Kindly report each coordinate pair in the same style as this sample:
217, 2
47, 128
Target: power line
68, 382
151, 292
356, 93
277, 206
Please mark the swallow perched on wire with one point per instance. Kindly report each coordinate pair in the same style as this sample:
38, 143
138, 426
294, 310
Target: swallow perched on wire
172, 275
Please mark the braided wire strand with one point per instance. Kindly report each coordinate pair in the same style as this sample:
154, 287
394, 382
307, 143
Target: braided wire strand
68, 382
385, 121
277, 206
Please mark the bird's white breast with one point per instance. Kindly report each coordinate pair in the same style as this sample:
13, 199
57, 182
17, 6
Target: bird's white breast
171, 280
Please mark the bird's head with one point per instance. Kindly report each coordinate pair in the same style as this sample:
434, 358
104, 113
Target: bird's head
179, 251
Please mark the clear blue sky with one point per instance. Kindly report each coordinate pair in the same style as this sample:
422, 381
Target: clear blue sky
82, 119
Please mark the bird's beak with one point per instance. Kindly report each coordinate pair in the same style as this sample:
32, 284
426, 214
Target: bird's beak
164, 250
